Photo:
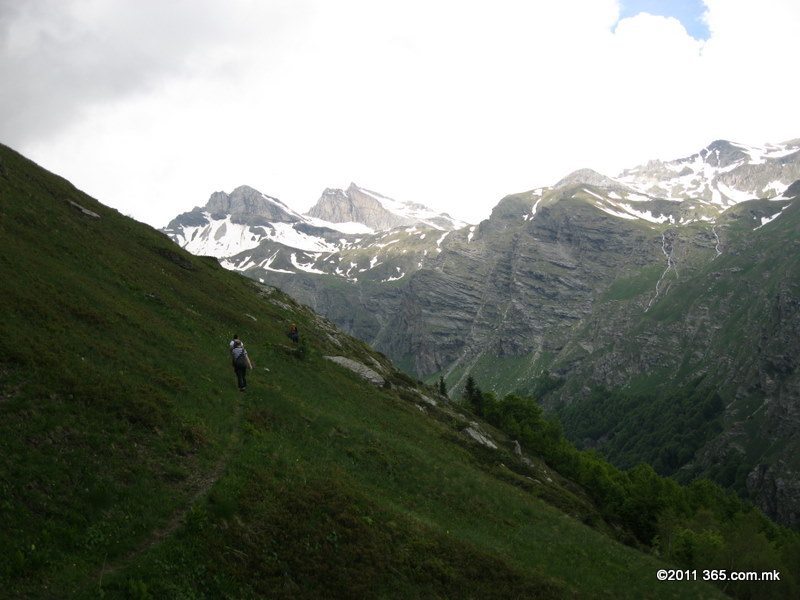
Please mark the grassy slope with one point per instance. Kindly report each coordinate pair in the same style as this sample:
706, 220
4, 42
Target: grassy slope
131, 467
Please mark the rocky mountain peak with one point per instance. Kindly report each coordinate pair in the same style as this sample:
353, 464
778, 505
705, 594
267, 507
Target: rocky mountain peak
379, 212
595, 179
722, 174
244, 205
722, 153
587, 177
247, 205
245, 219
355, 205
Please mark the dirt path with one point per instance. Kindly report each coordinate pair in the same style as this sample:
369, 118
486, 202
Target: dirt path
200, 487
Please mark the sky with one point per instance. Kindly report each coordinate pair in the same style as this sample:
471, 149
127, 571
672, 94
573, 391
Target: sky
150, 106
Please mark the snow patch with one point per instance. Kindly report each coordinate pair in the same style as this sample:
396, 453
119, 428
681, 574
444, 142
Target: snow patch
222, 238
267, 264
735, 196
219, 238
766, 220
616, 213
397, 277
350, 227
286, 234
598, 196
307, 267
777, 187
412, 210
389, 243
647, 216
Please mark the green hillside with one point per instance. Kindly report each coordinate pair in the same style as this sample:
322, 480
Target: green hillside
131, 467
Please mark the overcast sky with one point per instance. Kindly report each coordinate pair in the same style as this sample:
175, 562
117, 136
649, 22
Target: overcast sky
152, 105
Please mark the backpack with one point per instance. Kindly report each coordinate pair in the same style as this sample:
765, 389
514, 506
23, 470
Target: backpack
240, 359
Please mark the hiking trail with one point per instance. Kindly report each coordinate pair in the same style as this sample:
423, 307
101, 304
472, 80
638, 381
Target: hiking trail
200, 487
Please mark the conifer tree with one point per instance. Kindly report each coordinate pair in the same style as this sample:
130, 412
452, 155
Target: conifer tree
472, 396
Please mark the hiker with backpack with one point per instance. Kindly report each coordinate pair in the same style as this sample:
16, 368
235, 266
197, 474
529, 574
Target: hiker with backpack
241, 362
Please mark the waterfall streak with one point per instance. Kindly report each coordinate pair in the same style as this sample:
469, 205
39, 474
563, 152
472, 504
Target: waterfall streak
667, 250
716, 247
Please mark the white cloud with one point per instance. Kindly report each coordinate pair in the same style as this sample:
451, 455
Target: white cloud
150, 106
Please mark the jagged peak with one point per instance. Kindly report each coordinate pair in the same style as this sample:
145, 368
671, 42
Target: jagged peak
247, 204
333, 193
359, 205
342, 206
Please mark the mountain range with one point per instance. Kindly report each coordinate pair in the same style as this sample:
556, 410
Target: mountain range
230, 225
131, 466
673, 275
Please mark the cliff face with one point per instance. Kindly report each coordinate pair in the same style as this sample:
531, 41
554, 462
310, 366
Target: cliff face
534, 287
599, 300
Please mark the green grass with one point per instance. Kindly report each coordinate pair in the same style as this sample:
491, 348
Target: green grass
130, 467
626, 288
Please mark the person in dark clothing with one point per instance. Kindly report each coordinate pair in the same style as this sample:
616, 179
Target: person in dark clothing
241, 362
293, 334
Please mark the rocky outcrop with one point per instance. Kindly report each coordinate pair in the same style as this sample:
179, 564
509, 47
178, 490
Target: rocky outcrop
776, 488
476, 434
358, 368
89, 213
